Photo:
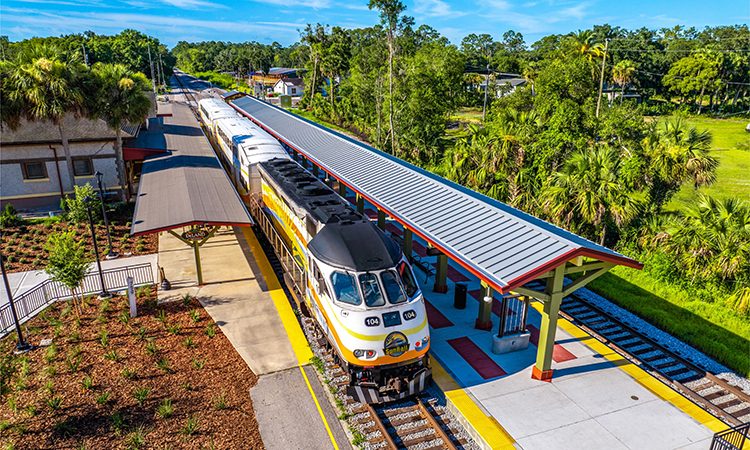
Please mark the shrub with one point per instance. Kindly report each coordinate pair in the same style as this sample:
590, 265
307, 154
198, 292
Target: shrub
102, 398
210, 330
129, 374
162, 316
195, 316
51, 353
75, 205
112, 355
165, 409
189, 342
151, 348
140, 395
141, 333
124, 317
103, 338
9, 217
49, 387
87, 383
54, 403
198, 363
220, 402
163, 364
173, 329
136, 438
118, 422
190, 427
186, 300
73, 362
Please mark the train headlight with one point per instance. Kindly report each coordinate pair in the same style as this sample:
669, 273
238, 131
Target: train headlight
365, 354
418, 345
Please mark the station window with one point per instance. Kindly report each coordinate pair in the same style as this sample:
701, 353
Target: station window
34, 170
345, 288
371, 289
83, 167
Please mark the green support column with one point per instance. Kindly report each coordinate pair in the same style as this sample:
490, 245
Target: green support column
360, 204
441, 284
198, 268
381, 219
542, 370
408, 243
484, 317
316, 171
342, 189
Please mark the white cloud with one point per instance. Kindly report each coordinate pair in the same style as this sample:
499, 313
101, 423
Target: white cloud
314, 4
435, 8
192, 4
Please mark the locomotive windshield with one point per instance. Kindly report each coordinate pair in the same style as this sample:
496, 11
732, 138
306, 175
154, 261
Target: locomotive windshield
408, 279
371, 289
345, 289
392, 287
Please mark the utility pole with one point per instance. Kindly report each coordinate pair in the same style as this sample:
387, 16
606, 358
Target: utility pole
601, 78
151, 65
85, 56
486, 86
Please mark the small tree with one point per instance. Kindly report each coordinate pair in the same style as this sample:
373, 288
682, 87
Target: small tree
9, 217
76, 204
67, 261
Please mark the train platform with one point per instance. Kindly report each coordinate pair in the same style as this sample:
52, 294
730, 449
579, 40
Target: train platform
596, 399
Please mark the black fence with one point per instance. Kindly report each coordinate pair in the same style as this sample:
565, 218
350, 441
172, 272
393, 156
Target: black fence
731, 439
514, 310
37, 298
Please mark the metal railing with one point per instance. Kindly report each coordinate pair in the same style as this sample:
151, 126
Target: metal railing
514, 312
732, 439
37, 298
294, 273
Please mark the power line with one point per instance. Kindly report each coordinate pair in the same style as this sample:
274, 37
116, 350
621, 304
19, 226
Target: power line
684, 77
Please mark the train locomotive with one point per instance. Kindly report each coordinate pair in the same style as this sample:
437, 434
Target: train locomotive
360, 288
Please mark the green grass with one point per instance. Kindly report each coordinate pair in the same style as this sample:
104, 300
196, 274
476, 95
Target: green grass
468, 114
710, 327
731, 145
223, 81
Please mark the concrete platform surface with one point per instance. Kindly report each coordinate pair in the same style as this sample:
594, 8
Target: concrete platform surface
232, 296
285, 412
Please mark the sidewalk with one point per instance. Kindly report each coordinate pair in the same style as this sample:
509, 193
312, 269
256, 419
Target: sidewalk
20, 282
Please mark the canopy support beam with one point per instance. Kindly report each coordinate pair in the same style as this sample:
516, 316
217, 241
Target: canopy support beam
196, 245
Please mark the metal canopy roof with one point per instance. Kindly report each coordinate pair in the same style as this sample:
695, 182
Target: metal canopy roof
503, 246
186, 186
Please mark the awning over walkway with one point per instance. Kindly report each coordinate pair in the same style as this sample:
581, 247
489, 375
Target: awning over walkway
503, 246
187, 185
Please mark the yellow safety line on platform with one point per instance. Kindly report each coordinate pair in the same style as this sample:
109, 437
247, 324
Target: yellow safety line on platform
488, 427
296, 337
644, 378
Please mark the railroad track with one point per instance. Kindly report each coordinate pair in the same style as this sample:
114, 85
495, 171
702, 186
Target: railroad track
725, 401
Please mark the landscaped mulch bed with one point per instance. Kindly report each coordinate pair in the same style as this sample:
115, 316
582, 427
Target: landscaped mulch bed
23, 246
83, 390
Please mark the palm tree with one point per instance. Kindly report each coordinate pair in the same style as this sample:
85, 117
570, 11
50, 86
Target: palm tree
44, 87
121, 99
622, 74
585, 45
711, 238
589, 191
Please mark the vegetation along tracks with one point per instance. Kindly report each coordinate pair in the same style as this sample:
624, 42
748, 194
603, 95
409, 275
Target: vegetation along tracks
725, 401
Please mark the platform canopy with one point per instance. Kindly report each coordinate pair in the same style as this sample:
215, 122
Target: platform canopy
503, 246
186, 186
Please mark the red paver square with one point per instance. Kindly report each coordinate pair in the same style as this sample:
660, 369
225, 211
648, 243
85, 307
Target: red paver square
559, 353
419, 249
477, 359
393, 229
435, 317
454, 275
371, 213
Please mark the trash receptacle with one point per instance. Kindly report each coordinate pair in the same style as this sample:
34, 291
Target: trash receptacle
459, 296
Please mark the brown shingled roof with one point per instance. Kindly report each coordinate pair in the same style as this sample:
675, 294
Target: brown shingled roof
77, 129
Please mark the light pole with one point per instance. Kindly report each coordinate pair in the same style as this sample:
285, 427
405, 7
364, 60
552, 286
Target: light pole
22, 346
111, 254
104, 293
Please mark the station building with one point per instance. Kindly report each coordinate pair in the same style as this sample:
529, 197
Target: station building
34, 171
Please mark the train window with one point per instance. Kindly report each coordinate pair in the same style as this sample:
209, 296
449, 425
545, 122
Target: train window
408, 279
345, 289
392, 287
371, 289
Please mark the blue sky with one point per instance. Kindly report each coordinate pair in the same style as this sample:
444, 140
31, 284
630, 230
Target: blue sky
279, 20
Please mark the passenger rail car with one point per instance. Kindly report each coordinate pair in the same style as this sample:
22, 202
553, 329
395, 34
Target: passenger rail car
213, 109
360, 287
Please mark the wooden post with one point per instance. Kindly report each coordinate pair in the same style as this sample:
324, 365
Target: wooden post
360, 204
542, 370
441, 276
198, 268
381, 219
484, 317
408, 243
